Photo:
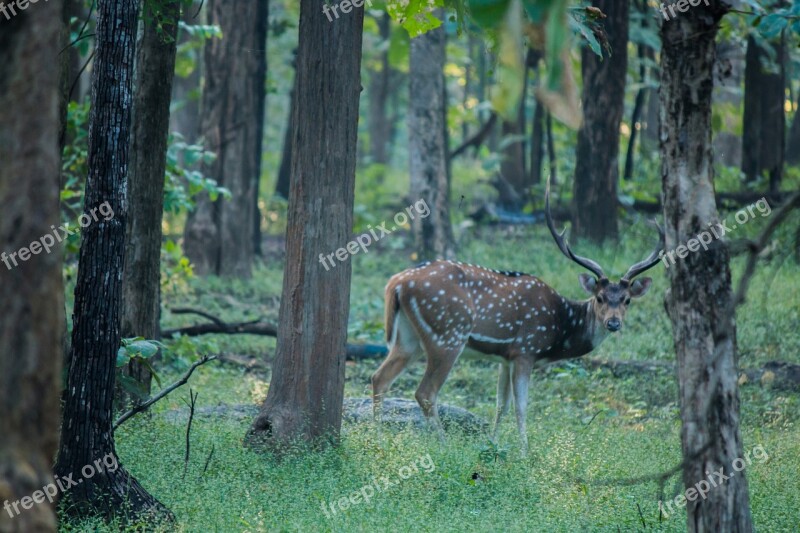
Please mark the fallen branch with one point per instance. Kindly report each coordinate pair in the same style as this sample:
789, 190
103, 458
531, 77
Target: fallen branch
355, 352
164, 392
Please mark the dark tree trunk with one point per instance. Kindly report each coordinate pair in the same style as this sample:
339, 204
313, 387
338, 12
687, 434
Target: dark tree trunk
262, 31
307, 388
282, 186
141, 280
537, 132
551, 149
219, 234
32, 292
86, 434
378, 96
764, 137
699, 300
594, 206
428, 144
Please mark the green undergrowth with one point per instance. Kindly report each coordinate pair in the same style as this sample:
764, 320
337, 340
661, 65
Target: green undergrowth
591, 433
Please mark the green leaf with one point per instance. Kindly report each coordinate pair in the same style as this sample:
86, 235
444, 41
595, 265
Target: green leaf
123, 358
578, 26
771, 25
143, 349
415, 15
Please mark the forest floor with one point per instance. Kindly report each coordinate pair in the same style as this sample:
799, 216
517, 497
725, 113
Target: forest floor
591, 433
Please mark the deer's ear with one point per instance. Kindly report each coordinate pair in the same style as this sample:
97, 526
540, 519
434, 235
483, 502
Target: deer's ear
640, 286
588, 283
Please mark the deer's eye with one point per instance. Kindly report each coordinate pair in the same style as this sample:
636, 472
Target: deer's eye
627, 301
600, 299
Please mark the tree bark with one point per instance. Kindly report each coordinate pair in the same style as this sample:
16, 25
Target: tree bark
32, 292
764, 137
596, 167
141, 281
219, 234
282, 186
427, 144
700, 296
86, 432
307, 388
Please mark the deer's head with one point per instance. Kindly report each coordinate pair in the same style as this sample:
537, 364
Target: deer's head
609, 300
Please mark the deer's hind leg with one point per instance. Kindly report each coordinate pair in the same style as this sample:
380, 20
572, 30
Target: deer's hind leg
404, 348
503, 396
441, 358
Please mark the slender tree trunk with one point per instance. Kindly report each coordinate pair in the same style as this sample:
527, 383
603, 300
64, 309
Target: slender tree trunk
260, 89
141, 282
427, 143
551, 149
378, 96
282, 186
219, 234
86, 434
764, 137
699, 299
307, 388
594, 206
32, 292
537, 128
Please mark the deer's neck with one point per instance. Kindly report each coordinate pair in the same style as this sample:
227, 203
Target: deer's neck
582, 332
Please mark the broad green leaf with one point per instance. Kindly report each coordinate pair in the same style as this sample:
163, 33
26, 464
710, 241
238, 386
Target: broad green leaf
143, 349
416, 16
122, 357
577, 26
771, 25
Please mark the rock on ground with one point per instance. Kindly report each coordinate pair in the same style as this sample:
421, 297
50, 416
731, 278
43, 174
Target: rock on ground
397, 413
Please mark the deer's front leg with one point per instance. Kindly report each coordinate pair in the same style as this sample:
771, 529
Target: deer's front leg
521, 375
503, 396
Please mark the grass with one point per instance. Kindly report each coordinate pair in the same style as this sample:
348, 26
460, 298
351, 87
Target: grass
586, 428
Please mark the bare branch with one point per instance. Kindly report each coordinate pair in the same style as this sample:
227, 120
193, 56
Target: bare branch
163, 393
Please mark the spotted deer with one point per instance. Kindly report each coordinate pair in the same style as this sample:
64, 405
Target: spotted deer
449, 309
